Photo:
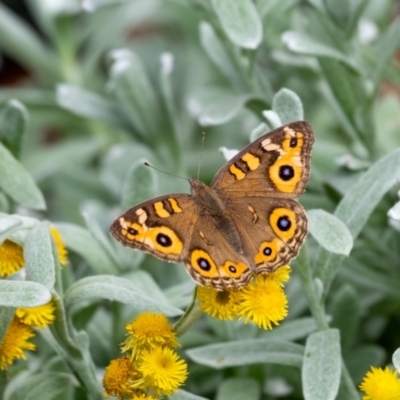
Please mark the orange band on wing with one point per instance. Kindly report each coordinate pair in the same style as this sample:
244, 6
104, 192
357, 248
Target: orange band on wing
287, 171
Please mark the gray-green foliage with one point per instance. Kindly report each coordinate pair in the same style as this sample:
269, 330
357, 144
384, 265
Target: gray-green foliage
115, 83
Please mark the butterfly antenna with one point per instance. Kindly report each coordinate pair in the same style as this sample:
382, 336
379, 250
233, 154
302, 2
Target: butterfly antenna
201, 154
163, 172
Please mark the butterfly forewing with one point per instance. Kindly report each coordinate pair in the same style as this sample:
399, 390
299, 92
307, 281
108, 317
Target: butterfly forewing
160, 226
275, 165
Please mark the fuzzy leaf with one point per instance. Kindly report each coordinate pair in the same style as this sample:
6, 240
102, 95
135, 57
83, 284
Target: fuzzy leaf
18, 183
330, 232
223, 109
301, 43
13, 120
322, 366
8, 225
288, 106
38, 254
6, 317
183, 395
44, 385
140, 184
219, 55
88, 104
23, 294
396, 359
247, 352
238, 389
131, 85
80, 240
116, 289
240, 21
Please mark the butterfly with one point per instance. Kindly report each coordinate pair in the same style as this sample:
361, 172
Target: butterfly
247, 222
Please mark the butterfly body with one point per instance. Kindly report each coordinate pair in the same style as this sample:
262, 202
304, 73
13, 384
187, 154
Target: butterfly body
245, 223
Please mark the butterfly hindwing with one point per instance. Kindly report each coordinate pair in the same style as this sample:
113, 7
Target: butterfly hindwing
213, 258
272, 232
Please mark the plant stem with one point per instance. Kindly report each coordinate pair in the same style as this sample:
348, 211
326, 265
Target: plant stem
191, 315
318, 312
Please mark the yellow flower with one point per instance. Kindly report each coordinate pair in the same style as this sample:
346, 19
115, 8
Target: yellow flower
11, 258
142, 397
39, 317
15, 342
119, 378
380, 384
163, 371
281, 275
262, 301
218, 304
149, 330
61, 250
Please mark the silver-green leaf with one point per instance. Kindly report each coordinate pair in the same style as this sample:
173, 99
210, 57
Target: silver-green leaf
39, 258
116, 289
322, 365
240, 21
18, 183
288, 106
245, 352
330, 232
23, 294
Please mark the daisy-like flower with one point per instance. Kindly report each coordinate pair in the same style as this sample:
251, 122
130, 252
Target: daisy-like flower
121, 378
39, 317
143, 397
15, 342
218, 304
262, 301
281, 275
11, 258
61, 249
381, 384
163, 370
149, 330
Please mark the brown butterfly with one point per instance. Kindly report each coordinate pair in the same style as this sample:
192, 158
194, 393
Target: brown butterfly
246, 223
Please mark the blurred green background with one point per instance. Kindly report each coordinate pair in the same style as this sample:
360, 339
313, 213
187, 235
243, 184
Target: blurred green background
99, 86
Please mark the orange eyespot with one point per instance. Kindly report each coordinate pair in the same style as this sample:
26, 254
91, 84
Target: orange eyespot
283, 223
234, 270
201, 261
267, 252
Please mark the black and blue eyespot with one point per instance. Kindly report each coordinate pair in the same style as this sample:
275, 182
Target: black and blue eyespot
286, 172
163, 240
284, 223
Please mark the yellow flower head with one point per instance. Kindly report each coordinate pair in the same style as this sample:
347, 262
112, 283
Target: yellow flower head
379, 384
61, 250
11, 258
119, 378
262, 301
39, 317
281, 275
15, 342
163, 371
142, 397
218, 304
149, 330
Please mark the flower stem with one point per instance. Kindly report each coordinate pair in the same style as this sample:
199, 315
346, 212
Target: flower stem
191, 315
